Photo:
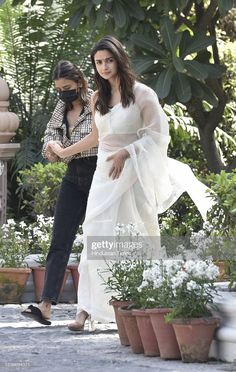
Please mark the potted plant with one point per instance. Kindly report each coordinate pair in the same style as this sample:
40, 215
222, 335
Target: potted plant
122, 280
41, 234
157, 297
122, 277
75, 257
193, 288
232, 276
14, 247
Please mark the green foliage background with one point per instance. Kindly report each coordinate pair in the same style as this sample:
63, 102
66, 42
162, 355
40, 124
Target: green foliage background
168, 52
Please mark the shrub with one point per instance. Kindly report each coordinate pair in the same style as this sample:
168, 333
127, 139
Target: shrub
39, 186
14, 244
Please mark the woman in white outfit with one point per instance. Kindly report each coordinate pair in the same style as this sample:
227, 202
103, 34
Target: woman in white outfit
134, 179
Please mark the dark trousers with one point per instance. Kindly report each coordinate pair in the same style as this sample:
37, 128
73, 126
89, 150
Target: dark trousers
69, 214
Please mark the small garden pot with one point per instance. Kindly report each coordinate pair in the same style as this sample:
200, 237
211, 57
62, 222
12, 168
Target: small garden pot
75, 275
165, 334
38, 278
147, 334
119, 321
194, 337
12, 283
132, 330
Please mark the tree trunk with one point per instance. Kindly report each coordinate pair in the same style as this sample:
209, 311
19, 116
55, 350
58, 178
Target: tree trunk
210, 150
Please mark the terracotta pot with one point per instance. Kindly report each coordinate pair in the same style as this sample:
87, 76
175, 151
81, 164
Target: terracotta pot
132, 330
119, 321
38, 278
75, 275
223, 266
147, 334
194, 337
12, 283
165, 334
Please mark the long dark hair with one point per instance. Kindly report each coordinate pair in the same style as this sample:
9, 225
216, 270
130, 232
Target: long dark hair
126, 75
70, 71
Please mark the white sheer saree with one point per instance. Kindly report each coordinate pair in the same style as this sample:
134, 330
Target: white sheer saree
149, 184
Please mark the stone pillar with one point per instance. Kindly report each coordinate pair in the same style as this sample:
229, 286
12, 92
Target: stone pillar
224, 345
9, 123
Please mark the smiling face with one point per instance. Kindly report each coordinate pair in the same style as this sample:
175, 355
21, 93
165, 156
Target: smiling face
106, 64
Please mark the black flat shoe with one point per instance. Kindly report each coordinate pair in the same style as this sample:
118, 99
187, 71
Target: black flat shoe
35, 314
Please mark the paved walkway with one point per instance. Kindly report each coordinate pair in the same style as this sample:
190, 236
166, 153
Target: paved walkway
26, 345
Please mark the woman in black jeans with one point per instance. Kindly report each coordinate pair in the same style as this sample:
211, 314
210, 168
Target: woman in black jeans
70, 121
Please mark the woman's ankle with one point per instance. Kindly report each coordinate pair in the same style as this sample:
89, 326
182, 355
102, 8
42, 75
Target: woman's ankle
45, 307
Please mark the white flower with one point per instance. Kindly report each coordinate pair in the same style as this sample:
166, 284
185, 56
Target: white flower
11, 222
212, 272
157, 282
192, 285
79, 240
23, 225
119, 229
172, 266
178, 279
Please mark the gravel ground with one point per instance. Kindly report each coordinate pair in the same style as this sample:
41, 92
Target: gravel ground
27, 345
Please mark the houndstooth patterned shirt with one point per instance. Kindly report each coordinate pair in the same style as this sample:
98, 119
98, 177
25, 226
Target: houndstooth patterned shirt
57, 130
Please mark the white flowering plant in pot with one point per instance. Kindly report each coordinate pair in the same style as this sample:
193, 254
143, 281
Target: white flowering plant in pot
14, 244
193, 288
156, 287
123, 274
41, 235
78, 246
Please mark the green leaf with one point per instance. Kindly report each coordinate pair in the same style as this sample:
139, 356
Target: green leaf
185, 41
214, 71
209, 96
88, 9
145, 42
16, 2
142, 64
181, 4
100, 16
199, 42
177, 40
201, 91
46, 2
179, 64
76, 18
97, 2
171, 99
182, 88
196, 69
225, 6
119, 14
168, 33
135, 10
164, 82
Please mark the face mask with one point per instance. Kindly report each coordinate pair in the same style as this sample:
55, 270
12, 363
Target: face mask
69, 96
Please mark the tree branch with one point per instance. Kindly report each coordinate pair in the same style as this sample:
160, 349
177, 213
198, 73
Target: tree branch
196, 111
182, 20
216, 114
213, 33
207, 16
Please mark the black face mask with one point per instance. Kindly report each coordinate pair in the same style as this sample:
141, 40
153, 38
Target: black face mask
68, 96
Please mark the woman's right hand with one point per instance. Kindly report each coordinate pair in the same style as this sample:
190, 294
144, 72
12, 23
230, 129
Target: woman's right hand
50, 154
58, 150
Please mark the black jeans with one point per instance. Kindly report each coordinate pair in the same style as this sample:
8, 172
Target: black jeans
69, 214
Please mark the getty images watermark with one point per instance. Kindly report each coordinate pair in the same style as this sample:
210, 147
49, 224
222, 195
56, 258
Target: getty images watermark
123, 247
156, 247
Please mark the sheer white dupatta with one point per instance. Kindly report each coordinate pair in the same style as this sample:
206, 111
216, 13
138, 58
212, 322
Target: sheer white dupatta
163, 179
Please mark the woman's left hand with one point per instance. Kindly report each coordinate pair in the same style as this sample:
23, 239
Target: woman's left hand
119, 159
58, 150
